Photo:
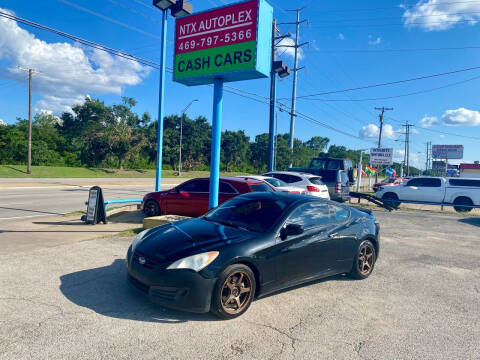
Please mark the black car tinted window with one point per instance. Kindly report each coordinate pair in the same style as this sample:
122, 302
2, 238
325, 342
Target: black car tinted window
255, 215
282, 177
309, 215
195, 186
261, 187
464, 182
334, 165
425, 182
318, 164
226, 188
294, 179
340, 214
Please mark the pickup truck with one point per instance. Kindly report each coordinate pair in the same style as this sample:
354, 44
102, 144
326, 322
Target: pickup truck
462, 193
337, 174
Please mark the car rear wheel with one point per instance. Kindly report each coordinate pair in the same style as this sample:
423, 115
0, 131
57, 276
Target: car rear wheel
391, 199
151, 208
233, 292
364, 261
463, 201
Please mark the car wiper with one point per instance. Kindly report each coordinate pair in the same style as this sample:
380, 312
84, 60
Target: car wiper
231, 224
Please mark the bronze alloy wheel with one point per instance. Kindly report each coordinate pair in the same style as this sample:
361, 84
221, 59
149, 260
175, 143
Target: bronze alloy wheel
236, 292
366, 258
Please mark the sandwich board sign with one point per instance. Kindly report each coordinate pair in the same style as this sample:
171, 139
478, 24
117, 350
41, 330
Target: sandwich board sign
381, 156
231, 42
95, 206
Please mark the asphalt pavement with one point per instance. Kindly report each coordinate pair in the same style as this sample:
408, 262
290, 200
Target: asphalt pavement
34, 198
72, 301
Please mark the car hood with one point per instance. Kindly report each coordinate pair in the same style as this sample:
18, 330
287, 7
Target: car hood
167, 241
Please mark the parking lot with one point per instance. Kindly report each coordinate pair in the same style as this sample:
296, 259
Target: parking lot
422, 302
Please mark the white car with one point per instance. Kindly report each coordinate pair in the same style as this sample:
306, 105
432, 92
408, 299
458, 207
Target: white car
462, 193
312, 184
277, 184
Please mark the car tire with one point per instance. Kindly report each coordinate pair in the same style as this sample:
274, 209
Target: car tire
391, 199
462, 201
364, 261
151, 208
234, 291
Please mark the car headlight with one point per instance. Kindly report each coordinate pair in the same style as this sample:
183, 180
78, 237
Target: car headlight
138, 239
195, 262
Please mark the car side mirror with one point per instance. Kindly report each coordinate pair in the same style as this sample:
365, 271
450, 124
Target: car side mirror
291, 229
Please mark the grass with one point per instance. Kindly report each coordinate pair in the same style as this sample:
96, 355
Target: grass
20, 171
130, 232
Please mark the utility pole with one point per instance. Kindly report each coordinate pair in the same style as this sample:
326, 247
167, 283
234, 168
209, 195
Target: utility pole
295, 75
380, 116
278, 67
31, 72
407, 145
427, 161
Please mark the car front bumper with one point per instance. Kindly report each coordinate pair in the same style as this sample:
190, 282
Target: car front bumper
180, 289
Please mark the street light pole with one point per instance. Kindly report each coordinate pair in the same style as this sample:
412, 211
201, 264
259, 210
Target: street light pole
181, 136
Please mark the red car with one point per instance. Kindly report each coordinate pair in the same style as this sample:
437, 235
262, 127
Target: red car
389, 182
191, 197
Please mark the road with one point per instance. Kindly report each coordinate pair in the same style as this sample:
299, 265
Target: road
72, 301
43, 197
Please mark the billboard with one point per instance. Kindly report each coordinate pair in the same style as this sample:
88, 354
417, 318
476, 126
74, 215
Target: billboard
447, 151
381, 156
232, 43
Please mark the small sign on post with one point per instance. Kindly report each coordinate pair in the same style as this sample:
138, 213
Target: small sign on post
95, 207
381, 156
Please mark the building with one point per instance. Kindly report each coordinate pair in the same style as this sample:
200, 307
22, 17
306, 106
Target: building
470, 170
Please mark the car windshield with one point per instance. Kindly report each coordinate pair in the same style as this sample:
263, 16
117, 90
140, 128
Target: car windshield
252, 215
276, 182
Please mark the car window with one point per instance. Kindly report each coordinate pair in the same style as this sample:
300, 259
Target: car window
260, 187
425, 182
415, 182
255, 215
293, 179
318, 164
276, 182
343, 177
195, 186
316, 180
282, 177
311, 215
226, 188
334, 165
464, 182
339, 214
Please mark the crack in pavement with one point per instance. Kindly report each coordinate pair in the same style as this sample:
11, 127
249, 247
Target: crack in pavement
292, 339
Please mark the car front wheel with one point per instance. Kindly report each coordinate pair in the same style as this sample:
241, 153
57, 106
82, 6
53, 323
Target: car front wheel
151, 208
233, 292
364, 261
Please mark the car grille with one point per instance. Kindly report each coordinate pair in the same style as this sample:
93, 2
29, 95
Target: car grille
150, 262
168, 294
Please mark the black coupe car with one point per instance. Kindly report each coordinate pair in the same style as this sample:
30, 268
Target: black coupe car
248, 247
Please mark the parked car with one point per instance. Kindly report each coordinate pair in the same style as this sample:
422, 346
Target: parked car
461, 192
278, 184
337, 174
391, 181
248, 247
191, 197
312, 184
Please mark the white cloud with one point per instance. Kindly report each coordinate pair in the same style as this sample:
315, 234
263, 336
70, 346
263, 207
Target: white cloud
414, 131
374, 41
442, 136
372, 131
414, 158
67, 72
461, 117
341, 36
2, 123
428, 121
290, 51
434, 15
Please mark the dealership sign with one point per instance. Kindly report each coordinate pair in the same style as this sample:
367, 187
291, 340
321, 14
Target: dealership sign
447, 151
381, 156
231, 43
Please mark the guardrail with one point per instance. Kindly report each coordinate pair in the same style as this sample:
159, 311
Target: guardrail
106, 203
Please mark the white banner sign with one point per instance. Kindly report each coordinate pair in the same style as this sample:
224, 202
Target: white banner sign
382, 156
447, 151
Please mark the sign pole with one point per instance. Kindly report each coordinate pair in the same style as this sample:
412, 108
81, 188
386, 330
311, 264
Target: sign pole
216, 135
161, 107
273, 86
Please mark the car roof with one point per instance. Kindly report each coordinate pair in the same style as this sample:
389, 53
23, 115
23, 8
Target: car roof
288, 173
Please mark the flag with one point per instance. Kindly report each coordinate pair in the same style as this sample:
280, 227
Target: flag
370, 170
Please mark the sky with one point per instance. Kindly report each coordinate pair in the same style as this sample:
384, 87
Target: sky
351, 44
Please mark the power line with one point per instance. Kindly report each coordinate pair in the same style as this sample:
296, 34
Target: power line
395, 18
398, 24
398, 50
392, 82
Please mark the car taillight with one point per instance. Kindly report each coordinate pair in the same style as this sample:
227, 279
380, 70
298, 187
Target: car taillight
312, 188
337, 188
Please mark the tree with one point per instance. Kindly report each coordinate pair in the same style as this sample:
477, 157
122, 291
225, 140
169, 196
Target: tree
234, 149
